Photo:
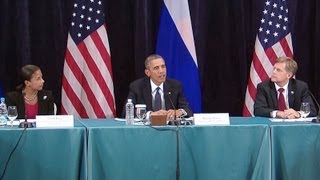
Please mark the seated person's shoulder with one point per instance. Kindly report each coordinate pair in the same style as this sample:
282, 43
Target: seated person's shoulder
44, 94
299, 82
173, 81
265, 82
139, 82
13, 96
13, 93
46, 91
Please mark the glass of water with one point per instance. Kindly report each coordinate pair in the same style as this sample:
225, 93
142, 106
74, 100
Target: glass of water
305, 109
141, 110
12, 114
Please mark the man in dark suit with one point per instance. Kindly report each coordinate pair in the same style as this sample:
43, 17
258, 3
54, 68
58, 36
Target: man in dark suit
145, 90
281, 95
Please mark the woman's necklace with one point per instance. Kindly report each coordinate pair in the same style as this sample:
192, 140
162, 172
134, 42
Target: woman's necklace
32, 98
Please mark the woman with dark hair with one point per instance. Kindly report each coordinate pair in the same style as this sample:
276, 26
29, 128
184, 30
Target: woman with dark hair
30, 98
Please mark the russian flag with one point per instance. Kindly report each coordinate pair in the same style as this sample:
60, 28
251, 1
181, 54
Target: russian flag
176, 45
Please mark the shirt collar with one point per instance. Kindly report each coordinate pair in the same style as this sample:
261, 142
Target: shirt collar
285, 87
154, 86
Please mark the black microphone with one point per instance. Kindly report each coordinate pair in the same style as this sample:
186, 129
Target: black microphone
25, 123
182, 120
174, 121
317, 119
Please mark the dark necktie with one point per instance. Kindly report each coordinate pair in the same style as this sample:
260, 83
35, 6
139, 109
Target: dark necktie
281, 101
157, 101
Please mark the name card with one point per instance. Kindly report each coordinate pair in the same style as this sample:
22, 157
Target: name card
54, 121
211, 119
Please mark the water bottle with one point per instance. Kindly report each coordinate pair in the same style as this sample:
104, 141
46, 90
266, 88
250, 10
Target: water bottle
129, 112
3, 112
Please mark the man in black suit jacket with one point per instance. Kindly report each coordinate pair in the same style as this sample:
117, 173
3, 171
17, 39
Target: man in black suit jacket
295, 92
142, 91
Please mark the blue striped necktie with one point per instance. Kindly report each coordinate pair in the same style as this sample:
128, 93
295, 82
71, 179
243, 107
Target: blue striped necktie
157, 105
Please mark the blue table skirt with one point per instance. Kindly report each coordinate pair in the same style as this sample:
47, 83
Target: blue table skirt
250, 148
296, 151
49, 154
239, 151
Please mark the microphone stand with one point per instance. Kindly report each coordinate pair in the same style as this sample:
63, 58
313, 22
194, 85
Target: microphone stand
177, 123
317, 119
25, 123
178, 155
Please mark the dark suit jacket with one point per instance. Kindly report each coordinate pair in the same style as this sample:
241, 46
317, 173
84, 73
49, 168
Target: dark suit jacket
140, 93
45, 102
267, 101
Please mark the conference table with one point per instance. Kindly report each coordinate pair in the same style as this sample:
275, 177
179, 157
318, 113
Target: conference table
238, 151
248, 148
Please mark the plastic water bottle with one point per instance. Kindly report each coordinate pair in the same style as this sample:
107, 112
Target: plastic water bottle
129, 112
3, 112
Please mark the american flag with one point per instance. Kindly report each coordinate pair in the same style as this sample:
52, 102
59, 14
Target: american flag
87, 87
273, 40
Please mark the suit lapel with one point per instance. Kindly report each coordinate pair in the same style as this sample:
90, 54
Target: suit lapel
274, 95
21, 101
166, 89
41, 99
291, 90
146, 91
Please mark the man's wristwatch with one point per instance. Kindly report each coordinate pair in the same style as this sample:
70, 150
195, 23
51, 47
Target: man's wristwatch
183, 112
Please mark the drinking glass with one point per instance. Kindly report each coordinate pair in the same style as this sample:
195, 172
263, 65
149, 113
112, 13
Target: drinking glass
141, 110
12, 113
304, 109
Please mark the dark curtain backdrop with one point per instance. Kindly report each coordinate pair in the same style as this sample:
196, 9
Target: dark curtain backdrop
35, 31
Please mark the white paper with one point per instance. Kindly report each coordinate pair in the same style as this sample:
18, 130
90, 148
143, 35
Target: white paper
304, 119
54, 121
211, 119
308, 119
119, 119
124, 120
18, 121
14, 123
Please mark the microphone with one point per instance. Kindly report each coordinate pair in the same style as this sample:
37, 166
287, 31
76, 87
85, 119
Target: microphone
25, 123
317, 119
174, 121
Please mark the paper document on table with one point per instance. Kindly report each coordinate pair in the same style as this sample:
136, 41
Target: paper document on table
120, 119
308, 119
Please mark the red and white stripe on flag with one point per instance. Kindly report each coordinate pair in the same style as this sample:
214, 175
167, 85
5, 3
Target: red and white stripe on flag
87, 86
273, 40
